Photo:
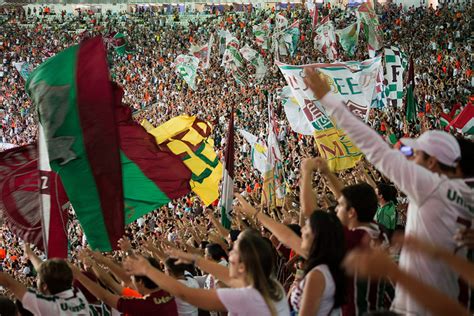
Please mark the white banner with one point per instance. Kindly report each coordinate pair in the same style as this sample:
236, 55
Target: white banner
186, 68
353, 82
294, 113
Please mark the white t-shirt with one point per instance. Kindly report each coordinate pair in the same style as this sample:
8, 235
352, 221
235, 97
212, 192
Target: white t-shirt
67, 303
438, 206
184, 308
327, 300
248, 301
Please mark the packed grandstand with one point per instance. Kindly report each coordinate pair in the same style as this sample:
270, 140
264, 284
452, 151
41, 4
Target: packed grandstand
283, 159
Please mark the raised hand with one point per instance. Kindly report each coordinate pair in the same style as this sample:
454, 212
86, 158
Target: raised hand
183, 257
316, 83
369, 263
465, 237
313, 164
136, 265
27, 249
245, 207
124, 244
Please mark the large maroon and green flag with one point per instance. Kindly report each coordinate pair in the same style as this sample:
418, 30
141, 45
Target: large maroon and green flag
152, 176
75, 105
111, 168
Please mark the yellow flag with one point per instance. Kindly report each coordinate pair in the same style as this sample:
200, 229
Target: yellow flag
189, 138
334, 146
147, 125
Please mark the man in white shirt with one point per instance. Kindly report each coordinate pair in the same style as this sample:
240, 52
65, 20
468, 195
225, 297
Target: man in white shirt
55, 295
439, 203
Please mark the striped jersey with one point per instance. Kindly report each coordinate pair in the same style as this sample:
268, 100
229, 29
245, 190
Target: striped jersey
67, 303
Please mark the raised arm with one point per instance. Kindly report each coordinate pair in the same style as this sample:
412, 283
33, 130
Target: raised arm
204, 299
35, 260
13, 285
378, 264
98, 291
217, 270
307, 195
105, 277
116, 269
221, 229
406, 175
463, 267
284, 234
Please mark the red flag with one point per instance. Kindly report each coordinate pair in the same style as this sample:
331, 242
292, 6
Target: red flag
20, 201
315, 16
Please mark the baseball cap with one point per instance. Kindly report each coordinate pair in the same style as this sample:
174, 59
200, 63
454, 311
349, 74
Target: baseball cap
441, 145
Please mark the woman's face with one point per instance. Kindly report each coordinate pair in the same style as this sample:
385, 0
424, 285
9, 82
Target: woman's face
236, 267
307, 237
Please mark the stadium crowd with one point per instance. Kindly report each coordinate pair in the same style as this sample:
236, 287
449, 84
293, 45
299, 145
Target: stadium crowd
335, 245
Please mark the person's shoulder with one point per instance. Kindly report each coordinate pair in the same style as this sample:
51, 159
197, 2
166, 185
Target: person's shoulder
33, 294
240, 292
160, 294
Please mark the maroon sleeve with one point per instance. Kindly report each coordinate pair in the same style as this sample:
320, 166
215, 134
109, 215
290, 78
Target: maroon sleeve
159, 302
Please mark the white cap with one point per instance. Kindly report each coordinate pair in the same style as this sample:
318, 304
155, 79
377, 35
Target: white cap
441, 145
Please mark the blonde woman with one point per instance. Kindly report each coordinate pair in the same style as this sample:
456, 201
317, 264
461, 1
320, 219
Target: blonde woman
253, 290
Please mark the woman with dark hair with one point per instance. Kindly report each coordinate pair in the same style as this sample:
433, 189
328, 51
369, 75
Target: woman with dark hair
321, 288
216, 253
253, 288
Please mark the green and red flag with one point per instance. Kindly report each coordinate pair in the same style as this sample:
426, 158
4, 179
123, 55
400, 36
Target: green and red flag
119, 43
464, 121
444, 120
75, 105
152, 176
111, 168
371, 25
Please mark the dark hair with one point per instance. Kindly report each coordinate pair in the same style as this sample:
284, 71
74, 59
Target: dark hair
176, 270
147, 282
442, 166
56, 274
328, 248
7, 307
295, 228
363, 199
216, 252
388, 192
234, 233
257, 256
467, 157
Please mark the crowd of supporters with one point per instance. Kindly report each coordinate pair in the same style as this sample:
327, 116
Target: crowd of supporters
300, 258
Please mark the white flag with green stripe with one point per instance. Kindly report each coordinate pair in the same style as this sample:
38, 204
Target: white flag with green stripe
186, 68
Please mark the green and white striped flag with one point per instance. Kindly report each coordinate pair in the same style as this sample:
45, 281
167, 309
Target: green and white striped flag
233, 61
291, 37
396, 63
256, 60
349, 37
262, 34
186, 68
